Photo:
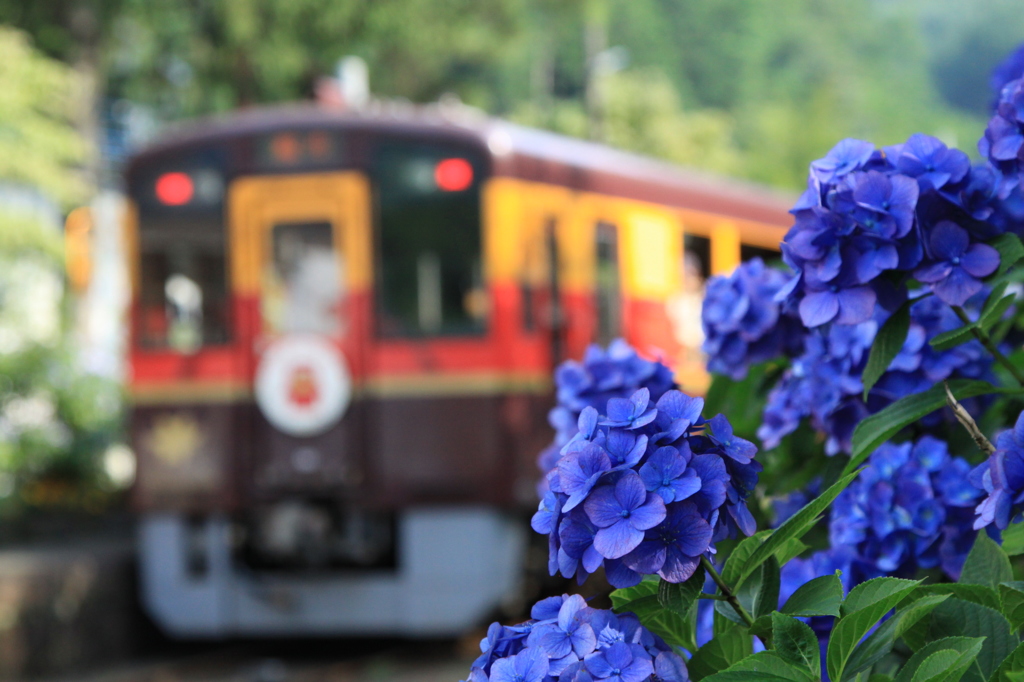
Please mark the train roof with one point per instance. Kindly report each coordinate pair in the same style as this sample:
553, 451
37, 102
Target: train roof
516, 151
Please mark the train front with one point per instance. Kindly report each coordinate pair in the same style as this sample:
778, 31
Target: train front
314, 405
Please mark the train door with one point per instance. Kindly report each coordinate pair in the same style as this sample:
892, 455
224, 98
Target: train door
543, 316
301, 272
596, 295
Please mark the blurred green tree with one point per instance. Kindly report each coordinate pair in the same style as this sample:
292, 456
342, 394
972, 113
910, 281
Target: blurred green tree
56, 420
774, 84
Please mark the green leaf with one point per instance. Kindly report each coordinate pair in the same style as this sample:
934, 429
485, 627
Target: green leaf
978, 594
790, 549
874, 430
796, 526
887, 344
995, 307
1012, 593
937, 666
762, 627
993, 298
966, 646
680, 597
740, 554
765, 665
818, 597
642, 600
752, 594
957, 618
1013, 539
767, 599
796, 643
1013, 663
727, 648
862, 609
995, 315
877, 591
882, 640
952, 338
1010, 250
987, 564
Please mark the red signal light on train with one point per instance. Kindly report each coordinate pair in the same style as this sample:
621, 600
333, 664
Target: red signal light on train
453, 175
174, 189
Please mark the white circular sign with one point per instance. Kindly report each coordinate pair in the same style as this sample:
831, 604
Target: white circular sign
303, 385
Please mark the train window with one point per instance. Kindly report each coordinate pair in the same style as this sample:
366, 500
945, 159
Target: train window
539, 280
685, 306
183, 288
429, 275
302, 280
767, 255
697, 257
607, 289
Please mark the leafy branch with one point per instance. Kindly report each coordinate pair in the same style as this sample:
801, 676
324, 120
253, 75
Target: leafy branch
986, 341
727, 592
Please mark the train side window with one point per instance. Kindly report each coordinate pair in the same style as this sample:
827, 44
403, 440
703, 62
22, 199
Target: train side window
539, 279
696, 259
608, 293
429, 273
767, 255
183, 287
686, 304
302, 280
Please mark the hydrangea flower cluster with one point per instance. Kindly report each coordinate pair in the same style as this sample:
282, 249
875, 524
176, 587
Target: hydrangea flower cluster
644, 488
743, 324
1001, 476
603, 374
1003, 141
568, 641
824, 383
910, 208
1009, 69
910, 508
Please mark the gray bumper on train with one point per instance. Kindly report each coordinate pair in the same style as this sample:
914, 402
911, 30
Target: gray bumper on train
455, 566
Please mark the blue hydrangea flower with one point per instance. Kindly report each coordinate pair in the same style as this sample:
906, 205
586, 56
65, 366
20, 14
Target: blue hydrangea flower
622, 513
1002, 478
1003, 141
743, 324
615, 372
645, 487
673, 549
667, 473
1011, 68
956, 265
824, 383
568, 641
865, 213
905, 511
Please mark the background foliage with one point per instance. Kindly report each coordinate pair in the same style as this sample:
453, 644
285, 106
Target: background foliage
56, 420
742, 87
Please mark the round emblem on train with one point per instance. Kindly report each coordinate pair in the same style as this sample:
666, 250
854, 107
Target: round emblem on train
303, 385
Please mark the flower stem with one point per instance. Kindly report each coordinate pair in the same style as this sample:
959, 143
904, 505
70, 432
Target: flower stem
983, 337
726, 591
967, 421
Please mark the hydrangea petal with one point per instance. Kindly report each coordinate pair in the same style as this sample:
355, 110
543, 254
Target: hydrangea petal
980, 260
818, 308
617, 540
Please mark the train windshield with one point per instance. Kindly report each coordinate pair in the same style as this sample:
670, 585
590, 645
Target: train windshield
302, 281
429, 279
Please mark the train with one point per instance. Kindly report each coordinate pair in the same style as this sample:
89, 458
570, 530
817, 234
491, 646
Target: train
343, 327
